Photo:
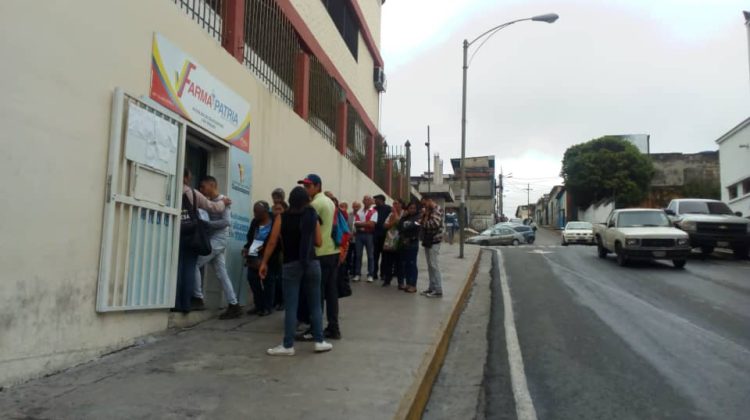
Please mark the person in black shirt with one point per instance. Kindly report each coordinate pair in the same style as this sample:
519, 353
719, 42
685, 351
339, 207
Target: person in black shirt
384, 210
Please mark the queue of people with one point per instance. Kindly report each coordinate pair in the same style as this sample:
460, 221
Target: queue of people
300, 256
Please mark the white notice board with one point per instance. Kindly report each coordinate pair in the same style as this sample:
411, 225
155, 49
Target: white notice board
151, 140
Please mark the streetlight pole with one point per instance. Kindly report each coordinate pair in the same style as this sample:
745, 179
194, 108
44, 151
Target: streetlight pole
549, 18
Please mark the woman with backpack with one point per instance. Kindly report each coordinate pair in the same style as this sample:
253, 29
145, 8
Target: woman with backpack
408, 231
297, 232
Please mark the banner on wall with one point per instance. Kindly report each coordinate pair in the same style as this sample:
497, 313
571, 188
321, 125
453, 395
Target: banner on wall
184, 86
240, 186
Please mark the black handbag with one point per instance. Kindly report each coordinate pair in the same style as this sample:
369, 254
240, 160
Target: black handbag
193, 230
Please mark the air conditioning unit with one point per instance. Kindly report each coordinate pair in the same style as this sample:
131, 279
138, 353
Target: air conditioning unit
379, 79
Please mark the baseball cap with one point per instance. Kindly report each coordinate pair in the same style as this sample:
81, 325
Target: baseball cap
311, 179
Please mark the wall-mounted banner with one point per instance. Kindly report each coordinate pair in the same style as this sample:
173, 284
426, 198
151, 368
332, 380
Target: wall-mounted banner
184, 86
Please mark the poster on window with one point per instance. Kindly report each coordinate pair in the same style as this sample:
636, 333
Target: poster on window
181, 84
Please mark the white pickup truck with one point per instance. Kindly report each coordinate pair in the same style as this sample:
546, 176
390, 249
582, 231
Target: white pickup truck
641, 234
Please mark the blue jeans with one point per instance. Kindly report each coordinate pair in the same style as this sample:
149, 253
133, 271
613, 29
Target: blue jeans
299, 279
409, 263
367, 241
186, 267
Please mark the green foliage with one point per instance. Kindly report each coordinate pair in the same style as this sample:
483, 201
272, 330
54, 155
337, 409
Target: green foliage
710, 189
607, 167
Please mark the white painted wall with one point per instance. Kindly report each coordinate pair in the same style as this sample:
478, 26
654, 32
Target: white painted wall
596, 214
735, 166
62, 64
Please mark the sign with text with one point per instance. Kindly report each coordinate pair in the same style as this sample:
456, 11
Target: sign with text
187, 88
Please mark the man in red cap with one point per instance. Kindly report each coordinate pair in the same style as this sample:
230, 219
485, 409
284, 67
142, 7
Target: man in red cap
327, 253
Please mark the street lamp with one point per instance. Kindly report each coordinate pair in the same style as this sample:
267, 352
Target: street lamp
549, 18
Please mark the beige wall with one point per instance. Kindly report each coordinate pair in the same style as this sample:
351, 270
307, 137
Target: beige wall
371, 9
67, 58
357, 73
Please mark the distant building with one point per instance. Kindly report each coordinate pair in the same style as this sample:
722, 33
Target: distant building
559, 207
734, 155
480, 189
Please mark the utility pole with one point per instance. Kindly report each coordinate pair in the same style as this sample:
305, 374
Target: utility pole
428, 159
528, 200
500, 194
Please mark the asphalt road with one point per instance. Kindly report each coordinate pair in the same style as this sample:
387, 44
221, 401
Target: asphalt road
599, 341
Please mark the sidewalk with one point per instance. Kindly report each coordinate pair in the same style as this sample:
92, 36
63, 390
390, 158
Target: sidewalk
219, 369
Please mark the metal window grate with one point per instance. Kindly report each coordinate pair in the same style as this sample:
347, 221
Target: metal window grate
325, 95
206, 13
356, 139
271, 47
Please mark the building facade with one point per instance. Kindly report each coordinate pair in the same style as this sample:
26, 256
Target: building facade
678, 175
480, 190
734, 155
107, 102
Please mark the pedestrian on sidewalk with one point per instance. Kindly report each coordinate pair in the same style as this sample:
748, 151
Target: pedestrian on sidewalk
188, 258
432, 236
384, 210
408, 232
258, 236
278, 299
391, 264
297, 231
351, 257
278, 196
218, 226
364, 223
327, 253
451, 225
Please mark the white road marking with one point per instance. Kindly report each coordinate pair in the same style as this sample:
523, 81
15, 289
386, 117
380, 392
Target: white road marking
540, 251
524, 406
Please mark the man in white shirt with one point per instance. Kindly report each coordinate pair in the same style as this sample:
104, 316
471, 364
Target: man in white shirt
364, 224
218, 224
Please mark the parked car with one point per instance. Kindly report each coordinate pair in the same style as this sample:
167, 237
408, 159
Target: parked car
578, 233
641, 234
515, 220
503, 235
710, 224
528, 232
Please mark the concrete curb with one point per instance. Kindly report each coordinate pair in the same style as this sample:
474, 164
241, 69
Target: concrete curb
415, 399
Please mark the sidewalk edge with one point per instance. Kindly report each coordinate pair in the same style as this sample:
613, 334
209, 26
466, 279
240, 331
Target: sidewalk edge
415, 399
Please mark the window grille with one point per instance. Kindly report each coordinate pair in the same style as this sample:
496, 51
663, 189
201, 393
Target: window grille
206, 13
325, 95
271, 47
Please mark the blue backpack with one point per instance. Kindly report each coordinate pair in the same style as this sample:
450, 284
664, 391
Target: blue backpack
340, 229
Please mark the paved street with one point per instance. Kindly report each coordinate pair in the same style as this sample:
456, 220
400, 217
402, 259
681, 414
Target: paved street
646, 341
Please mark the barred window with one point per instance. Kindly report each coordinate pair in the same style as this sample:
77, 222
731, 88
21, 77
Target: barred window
206, 13
346, 22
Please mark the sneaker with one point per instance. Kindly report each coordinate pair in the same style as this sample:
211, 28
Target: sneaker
433, 294
305, 336
369, 279
280, 350
410, 289
321, 347
355, 278
386, 284
264, 312
426, 292
332, 334
233, 311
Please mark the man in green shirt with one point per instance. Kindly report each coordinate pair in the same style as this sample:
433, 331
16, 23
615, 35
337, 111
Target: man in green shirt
327, 253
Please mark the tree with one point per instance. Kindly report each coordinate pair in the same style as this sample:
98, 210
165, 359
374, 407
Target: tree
607, 167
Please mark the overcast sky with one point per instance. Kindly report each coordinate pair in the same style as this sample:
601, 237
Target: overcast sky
674, 69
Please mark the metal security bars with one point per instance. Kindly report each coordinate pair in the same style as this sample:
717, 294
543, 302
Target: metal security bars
325, 95
207, 13
271, 47
140, 235
356, 139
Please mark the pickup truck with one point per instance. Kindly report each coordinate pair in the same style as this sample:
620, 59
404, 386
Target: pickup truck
641, 234
710, 224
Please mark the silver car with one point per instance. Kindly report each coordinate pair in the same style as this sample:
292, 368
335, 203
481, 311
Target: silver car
499, 235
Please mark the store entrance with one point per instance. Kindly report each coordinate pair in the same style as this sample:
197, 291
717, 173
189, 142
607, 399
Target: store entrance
207, 155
